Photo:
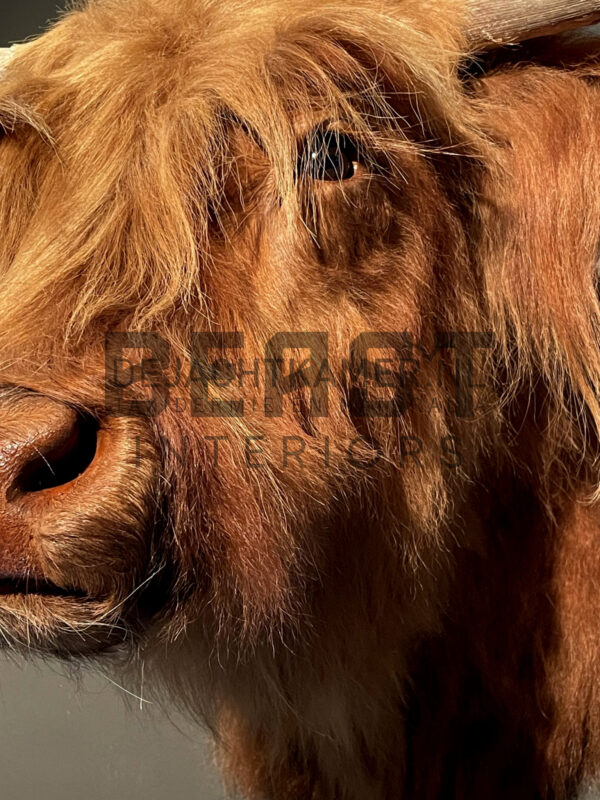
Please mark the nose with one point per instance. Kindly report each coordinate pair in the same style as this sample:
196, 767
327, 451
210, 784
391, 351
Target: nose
44, 447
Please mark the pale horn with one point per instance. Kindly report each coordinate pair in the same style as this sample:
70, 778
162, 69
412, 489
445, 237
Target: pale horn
7, 53
5, 56
492, 23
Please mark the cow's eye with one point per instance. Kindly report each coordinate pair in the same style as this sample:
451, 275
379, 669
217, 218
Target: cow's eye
329, 156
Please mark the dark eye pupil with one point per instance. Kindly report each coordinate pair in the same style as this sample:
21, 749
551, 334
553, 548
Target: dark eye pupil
329, 156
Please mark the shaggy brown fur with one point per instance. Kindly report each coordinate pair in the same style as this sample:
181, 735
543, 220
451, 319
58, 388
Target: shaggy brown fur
422, 627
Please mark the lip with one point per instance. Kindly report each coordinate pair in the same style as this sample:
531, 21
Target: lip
53, 621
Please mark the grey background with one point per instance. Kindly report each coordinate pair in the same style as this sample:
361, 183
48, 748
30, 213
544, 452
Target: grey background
63, 738
20, 20
67, 739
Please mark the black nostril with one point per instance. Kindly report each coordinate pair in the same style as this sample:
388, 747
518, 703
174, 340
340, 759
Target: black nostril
63, 461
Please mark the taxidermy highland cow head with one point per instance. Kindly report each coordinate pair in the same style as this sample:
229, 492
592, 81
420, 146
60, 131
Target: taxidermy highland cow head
299, 375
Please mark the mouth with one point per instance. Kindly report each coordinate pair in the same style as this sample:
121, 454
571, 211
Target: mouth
38, 616
28, 586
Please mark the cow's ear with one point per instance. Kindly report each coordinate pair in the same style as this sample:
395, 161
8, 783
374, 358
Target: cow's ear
492, 23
